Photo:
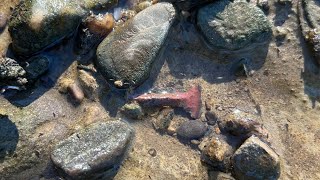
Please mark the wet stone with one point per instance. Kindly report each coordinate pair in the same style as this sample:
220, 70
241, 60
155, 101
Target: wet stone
89, 84
95, 152
11, 73
255, 160
36, 24
162, 122
233, 25
132, 110
76, 92
126, 55
192, 129
36, 67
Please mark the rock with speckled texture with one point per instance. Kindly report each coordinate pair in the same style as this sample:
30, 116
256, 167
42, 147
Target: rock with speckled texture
95, 152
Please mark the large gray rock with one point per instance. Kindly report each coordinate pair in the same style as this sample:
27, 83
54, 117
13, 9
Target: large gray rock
95, 152
255, 160
127, 54
39, 24
233, 25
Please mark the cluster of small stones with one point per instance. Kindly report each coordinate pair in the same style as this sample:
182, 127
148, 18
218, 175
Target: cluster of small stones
125, 58
236, 143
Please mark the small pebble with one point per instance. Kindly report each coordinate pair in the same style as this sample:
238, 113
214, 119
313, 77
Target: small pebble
195, 142
152, 152
211, 118
192, 129
207, 105
76, 92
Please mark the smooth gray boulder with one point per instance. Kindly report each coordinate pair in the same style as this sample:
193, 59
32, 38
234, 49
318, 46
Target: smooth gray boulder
126, 55
256, 160
233, 25
95, 152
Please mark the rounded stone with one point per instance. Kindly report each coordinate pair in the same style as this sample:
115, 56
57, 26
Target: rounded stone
193, 129
126, 55
95, 152
255, 160
233, 25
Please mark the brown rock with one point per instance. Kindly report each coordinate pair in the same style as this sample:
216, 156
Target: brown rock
100, 24
88, 83
242, 124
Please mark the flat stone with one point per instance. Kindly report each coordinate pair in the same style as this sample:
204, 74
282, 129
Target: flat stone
233, 25
192, 129
95, 152
126, 55
255, 160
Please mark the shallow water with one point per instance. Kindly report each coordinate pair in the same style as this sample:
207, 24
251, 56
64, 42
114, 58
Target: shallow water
284, 89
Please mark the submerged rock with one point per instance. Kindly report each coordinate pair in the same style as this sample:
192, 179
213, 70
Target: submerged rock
127, 54
11, 73
95, 152
37, 66
255, 160
38, 24
192, 129
233, 25
132, 110
310, 23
